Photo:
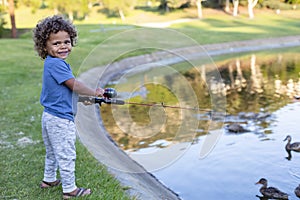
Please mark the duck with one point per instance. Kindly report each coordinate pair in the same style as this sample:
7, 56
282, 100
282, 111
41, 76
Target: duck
271, 192
297, 191
291, 146
236, 128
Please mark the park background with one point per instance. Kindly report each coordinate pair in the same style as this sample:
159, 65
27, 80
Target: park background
22, 150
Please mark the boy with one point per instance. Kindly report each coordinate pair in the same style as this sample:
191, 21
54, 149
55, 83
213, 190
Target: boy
54, 38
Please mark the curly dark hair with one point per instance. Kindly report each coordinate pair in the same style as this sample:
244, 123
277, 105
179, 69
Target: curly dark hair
45, 27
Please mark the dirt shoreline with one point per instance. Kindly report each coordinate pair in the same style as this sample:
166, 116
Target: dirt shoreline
143, 184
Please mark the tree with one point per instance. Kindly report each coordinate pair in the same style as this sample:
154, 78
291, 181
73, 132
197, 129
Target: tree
198, 4
119, 7
293, 2
235, 7
11, 11
33, 4
227, 7
2, 21
11, 6
164, 4
251, 5
167, 5
69, 7
199, 8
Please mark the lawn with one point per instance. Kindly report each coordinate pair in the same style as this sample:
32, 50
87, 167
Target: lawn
21, 146
22, 150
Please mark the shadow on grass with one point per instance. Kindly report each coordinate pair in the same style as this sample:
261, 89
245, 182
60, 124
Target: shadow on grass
21, 33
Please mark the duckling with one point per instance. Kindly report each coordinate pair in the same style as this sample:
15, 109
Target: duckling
271, 192
291, 147
297, 191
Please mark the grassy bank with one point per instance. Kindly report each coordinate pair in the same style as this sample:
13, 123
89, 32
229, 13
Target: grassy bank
21, 146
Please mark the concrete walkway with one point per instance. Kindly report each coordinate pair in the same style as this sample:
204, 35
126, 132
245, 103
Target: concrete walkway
95, 137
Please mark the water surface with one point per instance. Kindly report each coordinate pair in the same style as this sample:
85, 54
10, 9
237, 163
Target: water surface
255, 84
237, 162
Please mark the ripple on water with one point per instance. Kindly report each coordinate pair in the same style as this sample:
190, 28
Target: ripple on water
237, 162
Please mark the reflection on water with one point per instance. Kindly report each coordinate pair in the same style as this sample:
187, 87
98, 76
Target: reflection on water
237, 162
259, 89
254, 85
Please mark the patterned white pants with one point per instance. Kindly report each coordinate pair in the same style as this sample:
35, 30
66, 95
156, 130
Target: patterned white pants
59, 137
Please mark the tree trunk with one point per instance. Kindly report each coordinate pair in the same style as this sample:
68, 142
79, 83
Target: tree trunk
251, 5
235, 7
71, 16
12, 19
56, 11
227, 8
250, 11
220, 3
121, 13
199, 9
167, 9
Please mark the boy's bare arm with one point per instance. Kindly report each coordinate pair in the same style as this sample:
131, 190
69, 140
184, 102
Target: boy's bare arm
82, 89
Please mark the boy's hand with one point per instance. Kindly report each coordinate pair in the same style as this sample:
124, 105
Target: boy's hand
99, 92
87, 103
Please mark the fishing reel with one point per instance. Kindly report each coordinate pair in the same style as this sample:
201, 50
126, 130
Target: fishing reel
108, 98
109, 93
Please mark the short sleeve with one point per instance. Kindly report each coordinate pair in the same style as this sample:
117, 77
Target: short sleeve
61, 71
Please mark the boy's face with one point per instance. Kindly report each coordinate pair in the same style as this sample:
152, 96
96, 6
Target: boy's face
59, 45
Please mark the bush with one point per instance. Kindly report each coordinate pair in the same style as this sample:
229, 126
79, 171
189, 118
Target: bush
274, 4
2, 23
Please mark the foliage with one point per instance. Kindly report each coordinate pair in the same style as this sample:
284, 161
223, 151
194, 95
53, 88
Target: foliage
80, 9
167, 5
275, 4
2, 21
115, 7
292, 1
33, 4
74, 9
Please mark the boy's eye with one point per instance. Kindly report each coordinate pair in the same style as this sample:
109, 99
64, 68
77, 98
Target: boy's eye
67, 42
56, 43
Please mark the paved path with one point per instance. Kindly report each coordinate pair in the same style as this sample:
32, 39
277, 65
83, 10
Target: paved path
143, 184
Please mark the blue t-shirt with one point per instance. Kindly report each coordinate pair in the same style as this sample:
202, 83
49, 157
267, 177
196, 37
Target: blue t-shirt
56, 97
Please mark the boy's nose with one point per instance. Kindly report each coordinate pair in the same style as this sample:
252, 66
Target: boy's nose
62, 45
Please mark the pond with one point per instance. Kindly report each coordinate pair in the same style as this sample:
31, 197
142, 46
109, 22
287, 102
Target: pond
237, 162
196, 152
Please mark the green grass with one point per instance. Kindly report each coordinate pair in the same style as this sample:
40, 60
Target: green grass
224, 28
20, 80
20, 113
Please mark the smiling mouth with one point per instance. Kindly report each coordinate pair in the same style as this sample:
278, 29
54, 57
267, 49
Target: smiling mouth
63, 53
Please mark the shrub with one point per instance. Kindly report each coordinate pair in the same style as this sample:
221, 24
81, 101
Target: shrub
2, 23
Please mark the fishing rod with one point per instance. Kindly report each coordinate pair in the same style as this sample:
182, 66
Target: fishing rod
109, 98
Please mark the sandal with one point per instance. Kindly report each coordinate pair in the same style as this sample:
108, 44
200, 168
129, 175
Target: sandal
80, 192
45, 184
